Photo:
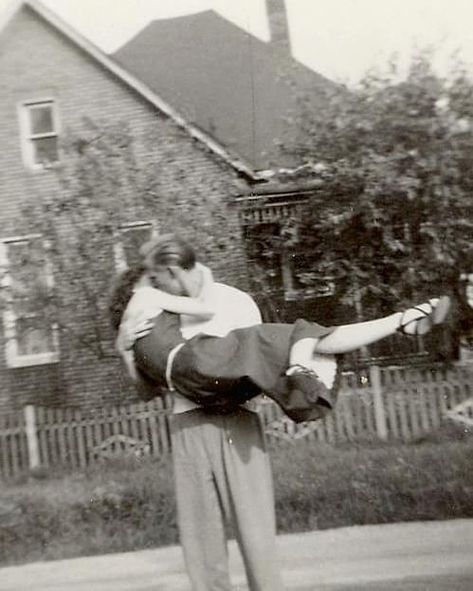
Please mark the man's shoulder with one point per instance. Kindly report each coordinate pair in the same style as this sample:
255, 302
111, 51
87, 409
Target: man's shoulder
232, 291
240, 304
234, 295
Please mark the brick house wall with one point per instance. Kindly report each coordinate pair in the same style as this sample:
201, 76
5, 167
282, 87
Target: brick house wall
38, 61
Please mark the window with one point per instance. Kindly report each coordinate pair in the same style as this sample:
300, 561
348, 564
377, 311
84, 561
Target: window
30, 334
299, 279
130, 237
263, 246
39, 133
281, 267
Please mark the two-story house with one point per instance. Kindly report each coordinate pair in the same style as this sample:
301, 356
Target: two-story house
254, 96
51, 78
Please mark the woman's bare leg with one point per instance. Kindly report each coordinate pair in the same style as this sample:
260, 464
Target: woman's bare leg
349, 337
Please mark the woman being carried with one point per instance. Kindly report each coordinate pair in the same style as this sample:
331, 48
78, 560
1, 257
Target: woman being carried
277, 359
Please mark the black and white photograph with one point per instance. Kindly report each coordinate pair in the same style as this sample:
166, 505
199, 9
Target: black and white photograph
236, 295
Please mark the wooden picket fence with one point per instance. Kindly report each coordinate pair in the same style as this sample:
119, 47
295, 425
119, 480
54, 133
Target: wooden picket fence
48, 437
388, 403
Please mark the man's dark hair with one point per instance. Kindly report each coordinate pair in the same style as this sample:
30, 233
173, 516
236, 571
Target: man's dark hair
122, 292
168, 249
165, 250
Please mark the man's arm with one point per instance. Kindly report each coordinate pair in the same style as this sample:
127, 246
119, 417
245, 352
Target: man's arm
234, 309
139, 316
150, 300
146, 388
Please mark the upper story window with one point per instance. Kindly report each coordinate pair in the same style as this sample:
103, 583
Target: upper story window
130, 237
39, 133
30, 334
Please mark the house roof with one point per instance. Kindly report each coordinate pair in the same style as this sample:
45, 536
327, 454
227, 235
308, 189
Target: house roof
137, 85
224, 80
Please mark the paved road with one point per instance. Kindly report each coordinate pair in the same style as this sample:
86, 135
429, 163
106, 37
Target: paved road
427, 556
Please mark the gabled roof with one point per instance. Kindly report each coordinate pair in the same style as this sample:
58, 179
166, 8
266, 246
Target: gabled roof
135, 84
224, 80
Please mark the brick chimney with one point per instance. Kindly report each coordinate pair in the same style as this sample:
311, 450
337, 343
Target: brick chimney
278, 24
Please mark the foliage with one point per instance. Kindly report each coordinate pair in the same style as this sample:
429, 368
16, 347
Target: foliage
111, 507
129, 505
392, 220
96, 183
108, 178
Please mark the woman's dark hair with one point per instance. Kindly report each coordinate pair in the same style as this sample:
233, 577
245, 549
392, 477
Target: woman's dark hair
122, 292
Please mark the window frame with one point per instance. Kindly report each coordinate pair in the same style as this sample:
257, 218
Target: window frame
13, 358
292, 291
118, 246
27, 137
286, 270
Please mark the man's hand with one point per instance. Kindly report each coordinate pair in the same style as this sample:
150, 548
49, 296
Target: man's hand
131, 330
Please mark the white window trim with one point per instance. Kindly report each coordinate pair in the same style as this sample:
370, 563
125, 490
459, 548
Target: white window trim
26, 134
119, 251
13, 358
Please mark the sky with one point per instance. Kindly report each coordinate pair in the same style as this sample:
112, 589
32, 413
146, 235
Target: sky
340, 39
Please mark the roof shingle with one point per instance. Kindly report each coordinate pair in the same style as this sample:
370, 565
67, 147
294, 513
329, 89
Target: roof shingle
223, 80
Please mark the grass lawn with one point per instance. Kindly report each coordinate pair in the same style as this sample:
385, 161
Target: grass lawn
129, 505
327, 486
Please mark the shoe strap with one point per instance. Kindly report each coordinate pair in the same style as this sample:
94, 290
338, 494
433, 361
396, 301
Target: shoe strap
297, 368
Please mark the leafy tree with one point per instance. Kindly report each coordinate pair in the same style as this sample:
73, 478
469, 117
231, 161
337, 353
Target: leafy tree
393, 220
101, 185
